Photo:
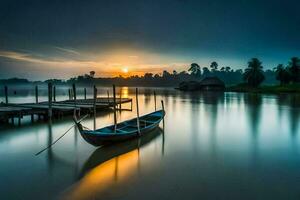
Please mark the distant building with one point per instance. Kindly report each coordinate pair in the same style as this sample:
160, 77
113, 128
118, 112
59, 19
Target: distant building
208, 83
189, 86
211, 83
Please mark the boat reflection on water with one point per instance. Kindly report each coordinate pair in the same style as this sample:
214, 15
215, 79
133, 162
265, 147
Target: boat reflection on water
108, 165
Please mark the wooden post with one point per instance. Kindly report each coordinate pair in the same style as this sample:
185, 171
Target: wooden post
108, 97
54, 93
69, 90
163, 108
84, 93
120, 106
36, 94
155, 100
95, 109
137, 111
95, 98
162, 105
74, 93
50, 100
19, 120
6, 94
115, 116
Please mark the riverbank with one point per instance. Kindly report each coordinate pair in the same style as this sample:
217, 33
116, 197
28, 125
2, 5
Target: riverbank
275, 89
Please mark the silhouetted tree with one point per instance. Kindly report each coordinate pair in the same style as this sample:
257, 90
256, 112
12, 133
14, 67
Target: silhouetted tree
206, 71
166, 74
92, 74
156, 76
239, 71
214, 66
148, 75
195, 70
294, 68
227, 69
282, 74
254, 73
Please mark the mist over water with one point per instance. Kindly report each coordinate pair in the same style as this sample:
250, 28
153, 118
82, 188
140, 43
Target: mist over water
212, 146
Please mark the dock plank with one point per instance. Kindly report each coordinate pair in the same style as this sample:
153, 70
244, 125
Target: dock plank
60, 107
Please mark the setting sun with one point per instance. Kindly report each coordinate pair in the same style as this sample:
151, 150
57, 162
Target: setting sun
125, 70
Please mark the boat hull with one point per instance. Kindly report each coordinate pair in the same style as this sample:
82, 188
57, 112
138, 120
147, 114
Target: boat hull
104, 140
108, 135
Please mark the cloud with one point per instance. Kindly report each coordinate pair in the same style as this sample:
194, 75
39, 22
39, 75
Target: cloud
67, 50
18, 56
104, 65
133, 56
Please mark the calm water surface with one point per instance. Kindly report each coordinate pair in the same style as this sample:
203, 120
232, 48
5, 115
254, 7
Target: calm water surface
212, 146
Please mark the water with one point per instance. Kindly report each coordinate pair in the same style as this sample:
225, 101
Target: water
213, 146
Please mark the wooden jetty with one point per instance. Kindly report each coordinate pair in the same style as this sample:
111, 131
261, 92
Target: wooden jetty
57, 109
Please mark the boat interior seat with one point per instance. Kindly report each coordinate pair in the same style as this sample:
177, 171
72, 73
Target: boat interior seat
147, 121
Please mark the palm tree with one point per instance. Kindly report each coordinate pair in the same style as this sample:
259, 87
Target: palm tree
294, 68
214, 66
254, 73
195, 70
227, 69
92, 74
282, 74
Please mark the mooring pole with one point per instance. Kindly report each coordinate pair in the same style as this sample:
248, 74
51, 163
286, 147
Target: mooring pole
50, 100
6, 94
155, 100
162, 105
69, 90
137, 111
115, 115
108, 97
95, 98
19, 119
94, 103
120, 107
163, 108
74, 92
84, 93
36, 94
54, 93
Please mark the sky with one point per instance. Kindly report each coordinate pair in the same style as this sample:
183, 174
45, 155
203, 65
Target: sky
42, 39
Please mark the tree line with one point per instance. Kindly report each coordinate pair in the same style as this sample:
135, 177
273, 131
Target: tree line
253, 75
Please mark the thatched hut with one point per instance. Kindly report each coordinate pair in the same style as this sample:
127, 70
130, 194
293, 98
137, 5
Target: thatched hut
212, 83
189, 86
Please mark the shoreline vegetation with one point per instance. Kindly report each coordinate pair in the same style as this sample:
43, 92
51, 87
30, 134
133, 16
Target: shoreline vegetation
271, 89
281, 79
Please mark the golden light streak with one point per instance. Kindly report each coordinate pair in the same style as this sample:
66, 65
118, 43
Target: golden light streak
104, 176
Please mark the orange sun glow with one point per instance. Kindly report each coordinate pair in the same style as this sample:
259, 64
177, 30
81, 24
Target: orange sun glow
125, 70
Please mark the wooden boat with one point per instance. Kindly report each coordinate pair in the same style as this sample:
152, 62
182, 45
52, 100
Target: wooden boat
122, 131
